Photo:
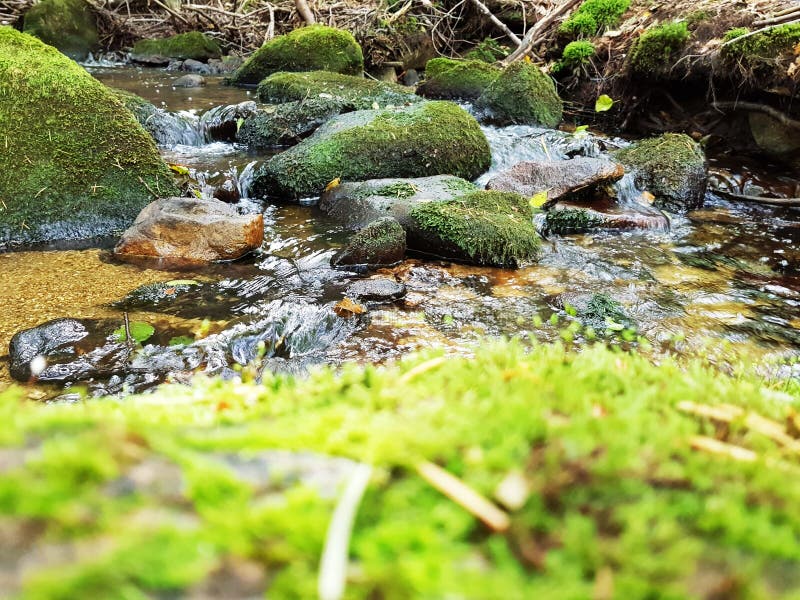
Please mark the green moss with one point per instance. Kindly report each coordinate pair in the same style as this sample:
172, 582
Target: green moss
75, 161
448, 78
429, 138
397, 190
313, 48
488, 51
492, 228
655, 48
761, 49
287, 123
66, 24
194, 45
576, 54
594, 16
615, 492
732, 34
524, 95
571, 220
353, 93
603, 312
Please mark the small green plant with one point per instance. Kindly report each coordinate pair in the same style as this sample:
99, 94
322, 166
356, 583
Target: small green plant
734, 33
489, 50
656, 46
594, 16
140, 332
576, 54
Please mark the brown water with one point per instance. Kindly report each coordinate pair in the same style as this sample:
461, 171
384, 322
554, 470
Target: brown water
725, 278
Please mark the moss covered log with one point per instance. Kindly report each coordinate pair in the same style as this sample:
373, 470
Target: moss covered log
429, 138
172, 494
68, 25
522, 94
313, 48
194, 45
75, 162
448, 79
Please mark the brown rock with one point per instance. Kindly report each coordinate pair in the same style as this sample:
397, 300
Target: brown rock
561, 178
190, 231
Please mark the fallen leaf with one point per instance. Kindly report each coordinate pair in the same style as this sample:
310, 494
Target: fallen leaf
333, 184
347, 308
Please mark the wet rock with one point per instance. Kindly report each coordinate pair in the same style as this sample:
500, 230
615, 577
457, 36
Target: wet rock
562, 179
166, 128
155, 295
568, 217
466, 79
54, 338
352, 93
601, 312
381, 243
430, 138
68, 25
410, 77
287, 123
191, 231
189, 81
774, 139
152, 60
380, 289
314, 48
523, 95
101, 182
672, 167
482, 227
227, 192
195, 66
226, 65
357, 204
221, 123
193, 45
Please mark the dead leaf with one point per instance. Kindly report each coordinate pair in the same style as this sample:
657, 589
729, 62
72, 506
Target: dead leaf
347, 308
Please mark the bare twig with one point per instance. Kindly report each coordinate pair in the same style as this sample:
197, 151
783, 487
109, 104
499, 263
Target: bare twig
511, 35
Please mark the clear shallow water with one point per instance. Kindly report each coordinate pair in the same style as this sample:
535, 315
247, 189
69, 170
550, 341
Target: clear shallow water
726, 274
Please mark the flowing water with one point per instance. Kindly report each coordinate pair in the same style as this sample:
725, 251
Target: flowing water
727, 275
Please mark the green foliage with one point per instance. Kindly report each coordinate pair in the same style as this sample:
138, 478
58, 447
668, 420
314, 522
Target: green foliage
759, 51
66, 24
429, 138
732, 34
616, 494
74, 161
571, 220
448, 78
524, 95
576, 54
603, 103
491, 228
397, 190
140, 332
594, 16
312, 48
194, 45
488, 51
654, 49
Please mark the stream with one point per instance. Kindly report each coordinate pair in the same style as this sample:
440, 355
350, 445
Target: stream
723, 282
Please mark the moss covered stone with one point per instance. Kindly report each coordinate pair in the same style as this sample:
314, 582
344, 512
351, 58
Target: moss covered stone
672, 167
380, 243
288, 123
194, 45
657, 47
68, 25
313, 48
429, 138
522, 95
481, 227
75, 162
448, 78
353, 93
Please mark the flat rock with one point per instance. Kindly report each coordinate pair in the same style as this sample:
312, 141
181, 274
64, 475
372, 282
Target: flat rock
380, 289
190, 81
52, 337
191, 231
573, 217
561, 178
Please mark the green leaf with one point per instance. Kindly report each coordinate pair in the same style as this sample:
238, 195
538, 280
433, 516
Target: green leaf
239, 123
140, 331
604, 103
181, 340
539, 199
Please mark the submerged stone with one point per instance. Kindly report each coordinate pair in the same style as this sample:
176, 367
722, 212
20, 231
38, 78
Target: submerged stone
672, 167
189, 81
166, 128
68, 25
49, 339
381, 243
191, 231
193, 45
75, 162
378, 289
430, 138
287, 123
312, 48
522, 95
449, 79
568, 217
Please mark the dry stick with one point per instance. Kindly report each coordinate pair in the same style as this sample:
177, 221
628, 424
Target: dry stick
305, 12
759, 199
754, 106
779, 16
172, 12
713, 446
511, 35
535, 33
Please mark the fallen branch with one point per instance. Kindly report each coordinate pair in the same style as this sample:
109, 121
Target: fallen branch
758, 199
305, 12
757, 31
483, 8
712, 446
536, 33
756, 107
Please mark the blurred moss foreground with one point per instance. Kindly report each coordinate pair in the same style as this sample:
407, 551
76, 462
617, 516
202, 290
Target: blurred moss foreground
622, 490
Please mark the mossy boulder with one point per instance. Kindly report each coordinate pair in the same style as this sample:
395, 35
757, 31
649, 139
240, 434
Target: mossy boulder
193, 45
447, 78
355, 204
430, 138
522, 94
380, 243
481, 227
68, 25
312, 48
353, 93
75, 162
672, 167
288, 123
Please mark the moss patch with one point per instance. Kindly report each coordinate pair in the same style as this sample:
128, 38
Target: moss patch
594, 16
523, 95
353, 93
313, 48
488, 228
488, 51
758, 53
194, 45
148, 487
66, 24
571, 220
656, 47
287, 123
448, 78
430, 138
575, 55
75, 161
